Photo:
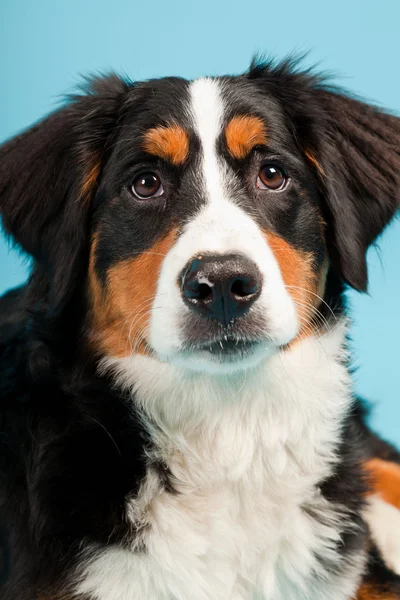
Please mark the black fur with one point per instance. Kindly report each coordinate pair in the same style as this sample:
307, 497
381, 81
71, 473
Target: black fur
71, 448
71, 452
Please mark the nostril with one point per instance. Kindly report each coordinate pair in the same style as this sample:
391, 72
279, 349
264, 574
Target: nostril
243, 287
204, 292
194, 290
238, 288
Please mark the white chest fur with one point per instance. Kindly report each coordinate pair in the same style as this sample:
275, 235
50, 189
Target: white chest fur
248, 521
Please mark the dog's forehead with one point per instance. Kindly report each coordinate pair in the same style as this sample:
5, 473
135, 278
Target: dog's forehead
167, 114
173, 96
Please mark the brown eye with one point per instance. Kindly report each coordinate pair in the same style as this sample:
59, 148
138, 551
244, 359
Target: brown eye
272, 178
147, 185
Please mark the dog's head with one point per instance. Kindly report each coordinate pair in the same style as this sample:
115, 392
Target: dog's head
202, 219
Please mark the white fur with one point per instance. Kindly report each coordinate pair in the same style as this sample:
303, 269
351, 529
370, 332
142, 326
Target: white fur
220, 227
247, 453
384, 523
207, 112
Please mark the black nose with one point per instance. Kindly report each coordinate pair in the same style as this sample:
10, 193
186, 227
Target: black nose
221, 287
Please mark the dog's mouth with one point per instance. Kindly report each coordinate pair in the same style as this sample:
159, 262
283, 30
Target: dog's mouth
210, 346
226, 348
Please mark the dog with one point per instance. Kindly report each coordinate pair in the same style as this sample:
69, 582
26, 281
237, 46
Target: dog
177, 413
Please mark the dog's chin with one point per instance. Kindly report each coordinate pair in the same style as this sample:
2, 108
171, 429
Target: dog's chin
223, 357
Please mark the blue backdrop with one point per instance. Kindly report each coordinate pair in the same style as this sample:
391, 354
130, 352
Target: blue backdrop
45, 45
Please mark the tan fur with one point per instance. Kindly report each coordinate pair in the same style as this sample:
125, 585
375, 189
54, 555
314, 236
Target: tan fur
169, 143
311, 158
305, 285
385, 479
370, 592
92, 172
243, 134
121, 309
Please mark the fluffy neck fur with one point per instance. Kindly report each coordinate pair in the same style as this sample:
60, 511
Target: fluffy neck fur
246, 455
292, 405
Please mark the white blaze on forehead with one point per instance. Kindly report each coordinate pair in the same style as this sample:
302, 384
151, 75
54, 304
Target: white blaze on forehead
207, 111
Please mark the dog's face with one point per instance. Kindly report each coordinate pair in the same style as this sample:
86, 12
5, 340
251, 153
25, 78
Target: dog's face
204, 217
208, 239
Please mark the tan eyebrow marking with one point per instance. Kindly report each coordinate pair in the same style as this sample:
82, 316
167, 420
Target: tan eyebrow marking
169, 143
243, 133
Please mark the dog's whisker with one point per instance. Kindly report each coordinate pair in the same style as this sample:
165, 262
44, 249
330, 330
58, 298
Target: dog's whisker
140, 328
314, 317
306, 290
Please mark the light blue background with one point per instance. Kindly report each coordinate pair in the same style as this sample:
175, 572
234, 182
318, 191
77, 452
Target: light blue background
46, 44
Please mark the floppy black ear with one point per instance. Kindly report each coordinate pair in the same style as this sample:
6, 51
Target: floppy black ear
47, 177
358, 158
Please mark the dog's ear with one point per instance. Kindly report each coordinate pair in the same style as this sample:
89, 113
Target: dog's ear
48, 175
357, 158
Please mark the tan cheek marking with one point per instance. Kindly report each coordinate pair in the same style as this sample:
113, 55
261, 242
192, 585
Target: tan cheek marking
243, 134
121, 311
303, 283
385, 479
169, 143
92, 166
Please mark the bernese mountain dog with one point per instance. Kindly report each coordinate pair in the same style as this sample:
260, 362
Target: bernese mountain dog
177, 418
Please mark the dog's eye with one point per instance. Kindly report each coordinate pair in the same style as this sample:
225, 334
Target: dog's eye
272, 177
147, 185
